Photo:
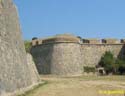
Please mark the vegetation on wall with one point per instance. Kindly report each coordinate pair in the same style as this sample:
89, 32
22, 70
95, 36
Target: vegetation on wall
111, 64
27, 46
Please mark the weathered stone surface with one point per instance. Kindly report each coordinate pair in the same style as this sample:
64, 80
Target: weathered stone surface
92, 53
59, 59
66, 59
14, 71
33, 71
42, 57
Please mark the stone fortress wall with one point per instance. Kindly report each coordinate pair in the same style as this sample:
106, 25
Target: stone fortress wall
67, 54
15, 69
92, 53
59, 55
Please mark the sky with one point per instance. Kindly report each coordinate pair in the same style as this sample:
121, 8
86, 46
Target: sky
85, 18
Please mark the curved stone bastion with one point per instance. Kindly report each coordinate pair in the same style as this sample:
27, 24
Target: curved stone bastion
60, 55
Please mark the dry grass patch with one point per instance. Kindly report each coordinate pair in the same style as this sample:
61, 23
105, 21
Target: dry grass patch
78, 86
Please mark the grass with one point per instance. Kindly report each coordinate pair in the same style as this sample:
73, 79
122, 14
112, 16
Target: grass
62, 86
34, 89
106, 78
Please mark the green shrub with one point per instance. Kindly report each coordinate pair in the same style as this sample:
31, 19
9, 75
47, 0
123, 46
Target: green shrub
27, 46
89, 69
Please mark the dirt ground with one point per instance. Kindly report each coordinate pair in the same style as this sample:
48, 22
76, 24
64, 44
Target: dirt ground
81, 86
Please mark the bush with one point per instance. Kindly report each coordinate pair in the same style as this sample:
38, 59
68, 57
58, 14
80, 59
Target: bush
27, 46
89, 69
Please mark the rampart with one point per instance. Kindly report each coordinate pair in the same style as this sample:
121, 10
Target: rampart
59, 39
67, 54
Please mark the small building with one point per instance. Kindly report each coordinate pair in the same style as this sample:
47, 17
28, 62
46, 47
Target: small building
101, 71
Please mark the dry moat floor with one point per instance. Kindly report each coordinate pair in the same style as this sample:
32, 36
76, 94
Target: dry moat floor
80, 86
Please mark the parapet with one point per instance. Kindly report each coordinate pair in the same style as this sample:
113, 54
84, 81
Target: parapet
85, 41
103, 41
122, 40
110, 41
91, 41
68, 38
65, 38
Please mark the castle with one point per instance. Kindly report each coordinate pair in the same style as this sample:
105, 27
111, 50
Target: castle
67, 54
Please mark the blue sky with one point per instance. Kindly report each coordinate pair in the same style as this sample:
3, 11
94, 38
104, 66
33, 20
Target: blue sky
85, 18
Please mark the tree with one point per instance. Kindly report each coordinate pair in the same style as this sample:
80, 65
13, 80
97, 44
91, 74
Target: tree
108, 62
112, 65
120, 66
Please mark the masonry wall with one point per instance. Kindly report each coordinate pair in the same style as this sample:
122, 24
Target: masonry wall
91, 53
33, 72
42, 56
69, 58
14, 70
66, 59
58, 58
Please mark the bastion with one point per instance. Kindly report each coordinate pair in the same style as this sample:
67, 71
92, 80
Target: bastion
68, 55
17, 72
59, 55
